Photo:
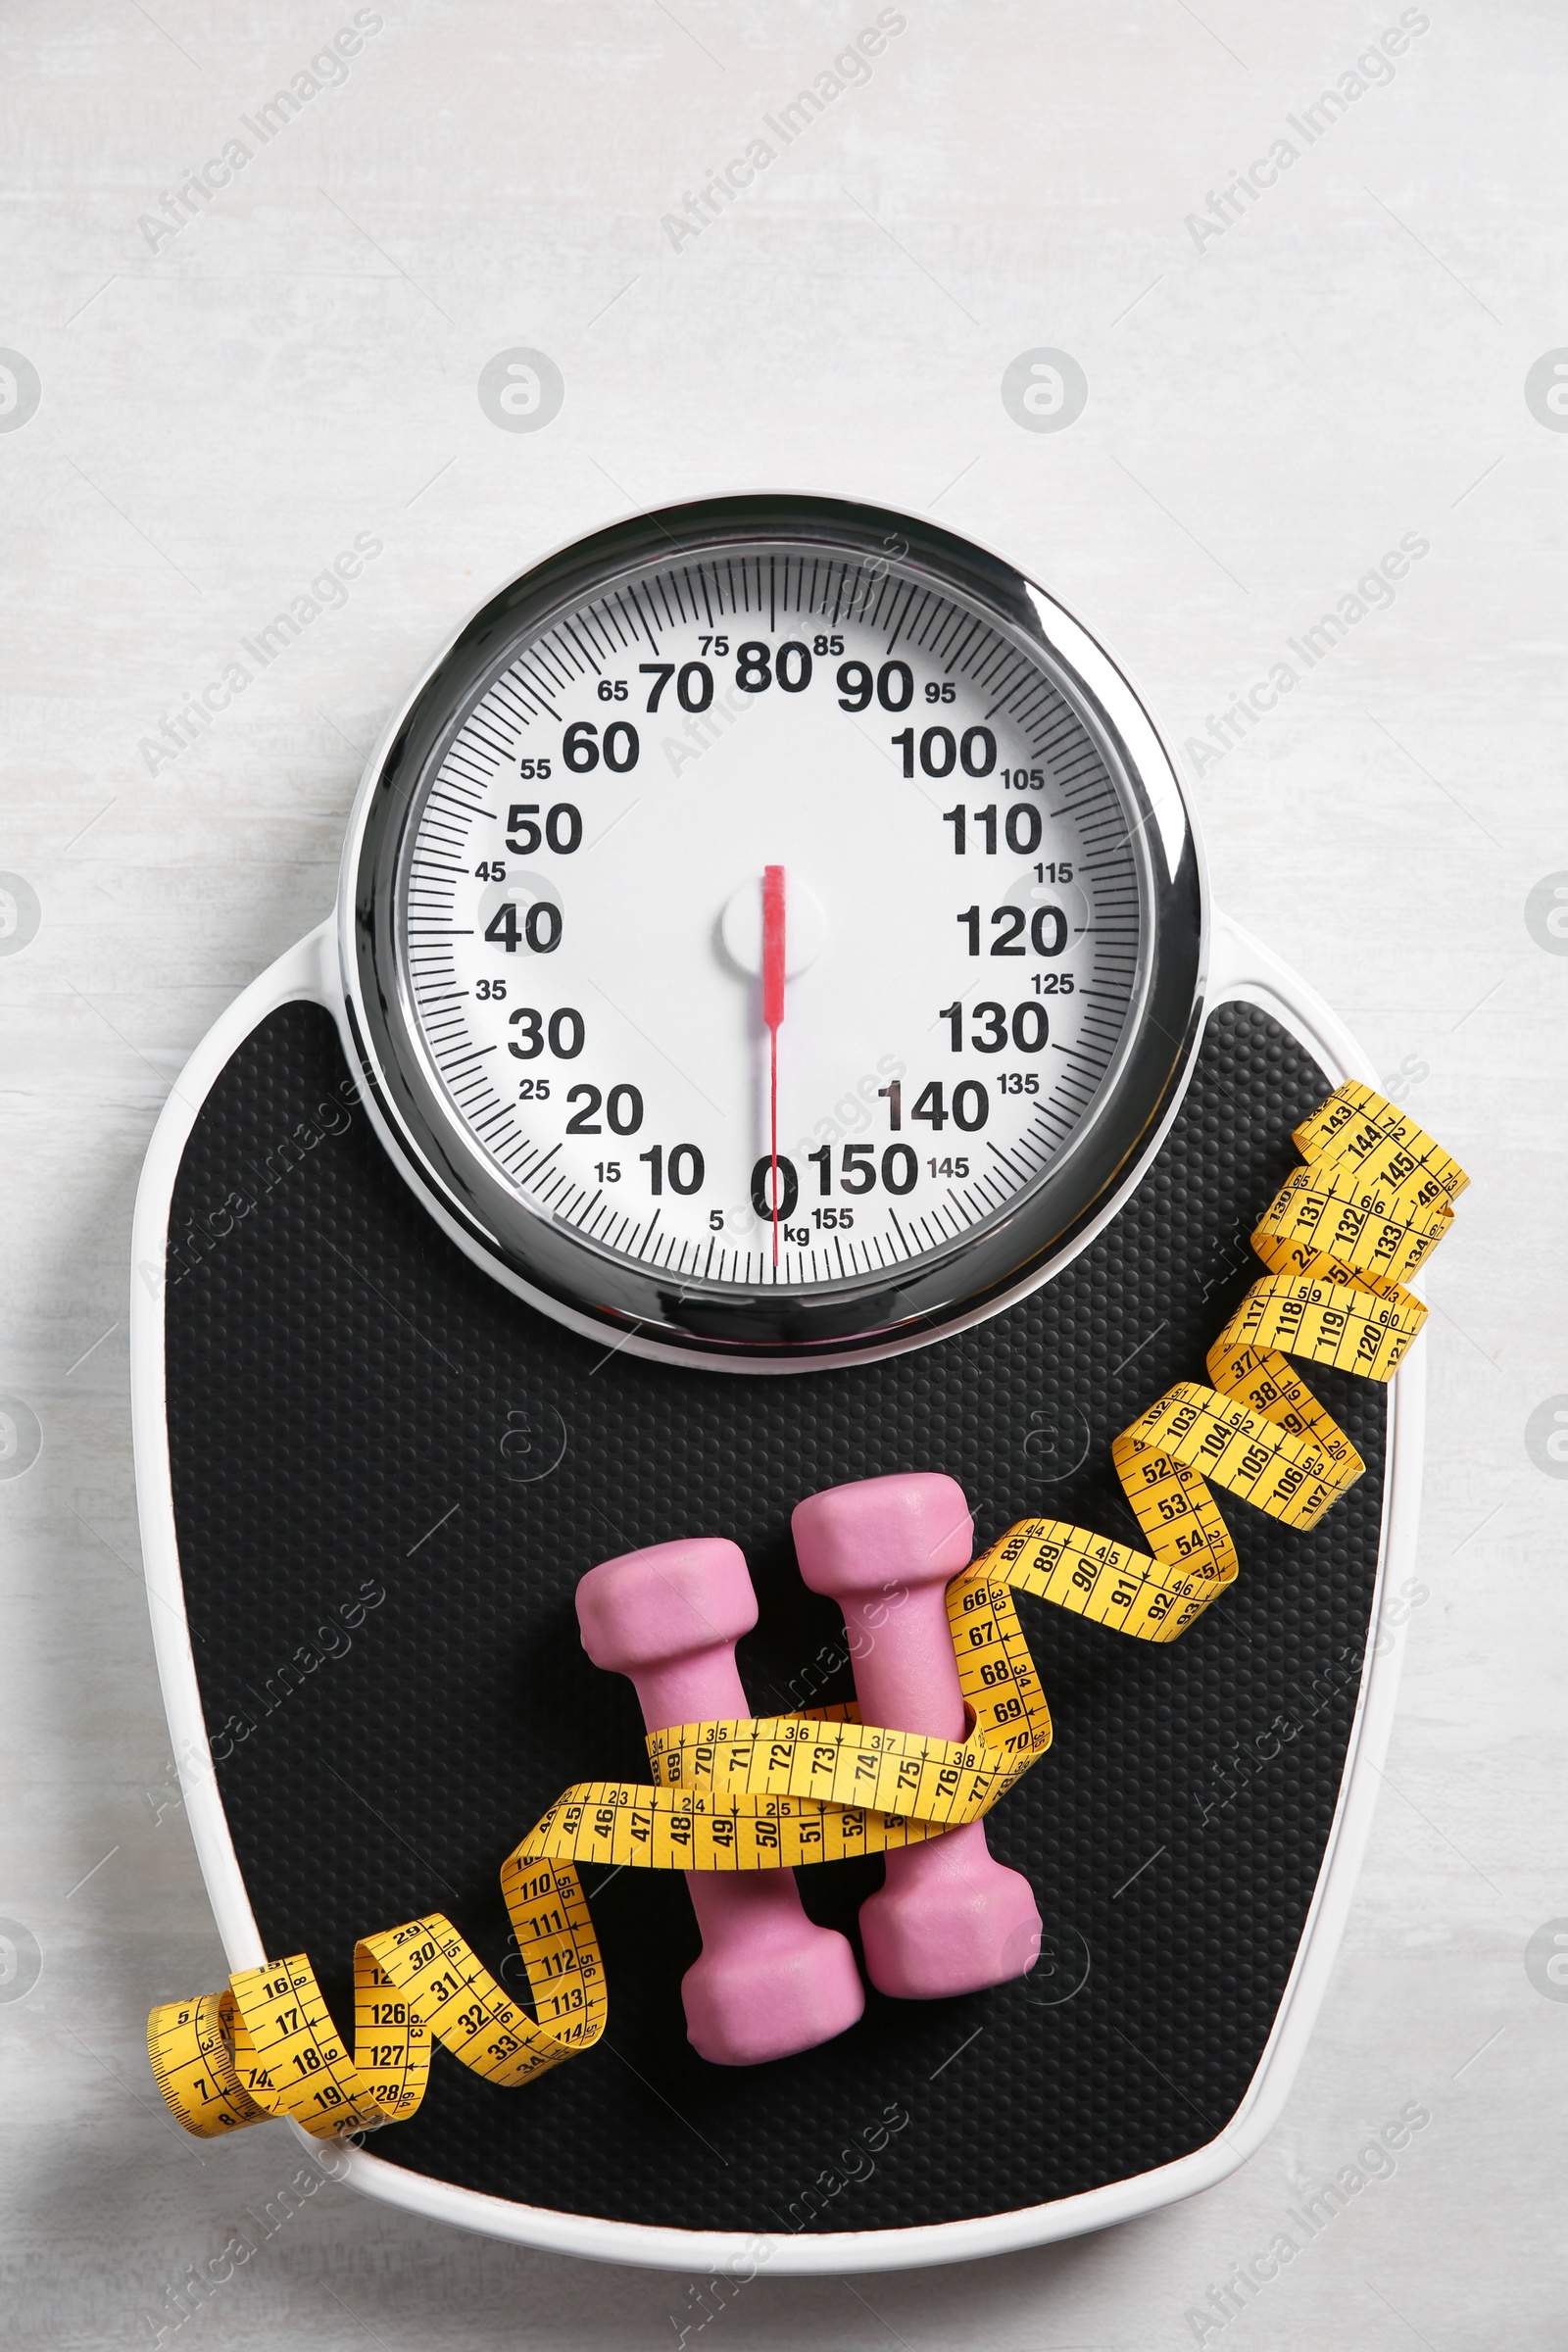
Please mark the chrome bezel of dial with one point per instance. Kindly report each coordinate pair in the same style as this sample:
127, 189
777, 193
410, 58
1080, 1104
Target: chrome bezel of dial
566, 1274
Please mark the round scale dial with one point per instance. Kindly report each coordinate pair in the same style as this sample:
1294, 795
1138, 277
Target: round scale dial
759, 918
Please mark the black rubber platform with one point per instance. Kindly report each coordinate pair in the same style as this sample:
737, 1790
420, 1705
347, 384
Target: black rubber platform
356, 1410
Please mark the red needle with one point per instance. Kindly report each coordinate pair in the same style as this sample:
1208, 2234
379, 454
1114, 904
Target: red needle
773, 1011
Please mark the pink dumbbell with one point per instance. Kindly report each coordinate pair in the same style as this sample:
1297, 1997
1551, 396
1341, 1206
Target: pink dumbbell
947, 1919
769, 1980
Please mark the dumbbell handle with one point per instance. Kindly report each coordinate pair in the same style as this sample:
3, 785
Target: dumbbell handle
702, 1686
906, 1675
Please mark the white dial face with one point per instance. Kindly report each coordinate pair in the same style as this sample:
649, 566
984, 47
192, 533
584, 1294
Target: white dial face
583, 935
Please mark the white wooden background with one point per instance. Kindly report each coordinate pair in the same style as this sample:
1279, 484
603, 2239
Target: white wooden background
1274, 398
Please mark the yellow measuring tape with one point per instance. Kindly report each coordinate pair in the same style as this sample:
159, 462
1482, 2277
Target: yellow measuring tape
1370, 1203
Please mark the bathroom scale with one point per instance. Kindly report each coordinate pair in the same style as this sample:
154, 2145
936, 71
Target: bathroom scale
774, 1032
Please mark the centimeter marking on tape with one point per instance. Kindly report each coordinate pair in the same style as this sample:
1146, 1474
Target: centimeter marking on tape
1370, 1202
